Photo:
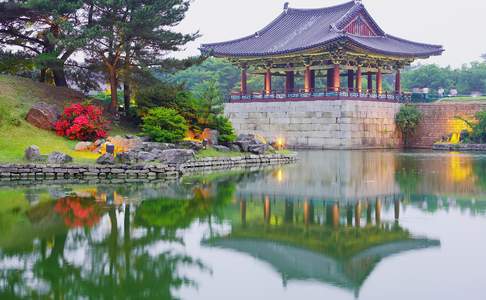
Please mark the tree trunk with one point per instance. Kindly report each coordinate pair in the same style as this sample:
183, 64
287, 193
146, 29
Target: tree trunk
59, 75
127, 94
43, 75
113, 90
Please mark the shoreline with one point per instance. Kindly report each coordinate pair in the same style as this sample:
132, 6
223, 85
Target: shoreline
35, 173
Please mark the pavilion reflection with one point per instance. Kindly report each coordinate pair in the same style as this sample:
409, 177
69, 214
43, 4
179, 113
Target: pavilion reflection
328, 241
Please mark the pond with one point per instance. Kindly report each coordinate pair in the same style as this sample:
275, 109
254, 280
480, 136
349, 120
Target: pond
335, 225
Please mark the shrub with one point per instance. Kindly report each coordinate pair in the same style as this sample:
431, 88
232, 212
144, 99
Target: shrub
164, 125
83, 122
407, 120
225, 128
479, 129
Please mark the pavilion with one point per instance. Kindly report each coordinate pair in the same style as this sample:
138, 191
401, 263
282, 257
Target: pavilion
331, 43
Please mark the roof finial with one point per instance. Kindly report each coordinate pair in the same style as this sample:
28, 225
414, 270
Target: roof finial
286, 6
357, 2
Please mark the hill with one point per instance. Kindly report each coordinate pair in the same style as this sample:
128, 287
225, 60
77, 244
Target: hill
16, 97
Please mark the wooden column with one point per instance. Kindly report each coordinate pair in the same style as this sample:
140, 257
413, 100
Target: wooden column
243, 212
307, 79
357, 214
268, 82
378, 212
329, 77
307, 212
379, 88
396, 205
336, 78
398, 84
289, 81
244, 77
370, 82
335, 215
313, 80
359, 80
350, 80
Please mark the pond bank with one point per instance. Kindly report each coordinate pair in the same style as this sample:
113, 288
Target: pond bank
41, 172
460, 147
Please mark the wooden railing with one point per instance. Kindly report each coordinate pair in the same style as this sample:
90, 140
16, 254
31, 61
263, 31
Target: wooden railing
319, 94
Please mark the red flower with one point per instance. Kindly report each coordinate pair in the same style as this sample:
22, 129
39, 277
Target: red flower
83, 122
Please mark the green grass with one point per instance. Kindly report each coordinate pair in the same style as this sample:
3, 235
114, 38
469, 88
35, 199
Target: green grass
210, 152
16, 97
462, 99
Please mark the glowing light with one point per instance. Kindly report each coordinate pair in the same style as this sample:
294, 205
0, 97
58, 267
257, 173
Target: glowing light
280, 143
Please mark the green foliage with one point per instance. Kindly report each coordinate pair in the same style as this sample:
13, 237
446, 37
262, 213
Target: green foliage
210, 101
7, 118
479, 128
408, 119
225, 128
164, 125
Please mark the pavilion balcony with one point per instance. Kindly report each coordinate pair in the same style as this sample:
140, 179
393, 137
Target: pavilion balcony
318, 94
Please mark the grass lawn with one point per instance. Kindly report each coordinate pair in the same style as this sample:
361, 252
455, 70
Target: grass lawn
462, 99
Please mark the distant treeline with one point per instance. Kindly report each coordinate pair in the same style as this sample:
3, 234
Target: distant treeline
468, 79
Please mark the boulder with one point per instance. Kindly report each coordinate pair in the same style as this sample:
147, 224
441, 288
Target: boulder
191, 145
144, 156
234, 147
177, 156
150, 146
32, 153
83, 146
99, 142
125, 144
127, 158
211, 136
59, 158
106, 159
43, 115
258, 148
221, 148
243, 145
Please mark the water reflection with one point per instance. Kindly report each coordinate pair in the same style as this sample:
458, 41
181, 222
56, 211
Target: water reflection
330, 220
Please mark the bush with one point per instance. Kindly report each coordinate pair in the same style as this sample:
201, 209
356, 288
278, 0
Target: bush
164, 125
225, 128
82, 122
479, 129
407, 120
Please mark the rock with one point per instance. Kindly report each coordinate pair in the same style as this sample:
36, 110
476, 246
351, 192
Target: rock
99, 142
258, 148
126, 158
59, 158
234, 147
106, 159
43, 115
191, 145
125, 144
83, 146
146, 156
211, 136
221, 148
32, 153
150, 146
177, 156
243, 145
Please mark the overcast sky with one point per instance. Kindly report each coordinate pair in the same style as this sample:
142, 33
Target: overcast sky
457, 25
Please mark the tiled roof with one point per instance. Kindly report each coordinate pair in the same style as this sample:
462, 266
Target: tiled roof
299, 29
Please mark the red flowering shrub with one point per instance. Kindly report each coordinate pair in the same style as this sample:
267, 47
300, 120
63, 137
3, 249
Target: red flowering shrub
82, 122
78, 212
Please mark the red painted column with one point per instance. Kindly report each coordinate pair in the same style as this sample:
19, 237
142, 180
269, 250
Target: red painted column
370, 82
336, 79
398, 84
289, 82
359, 80
379, 88
307, 79
243, 88
350, 80
312, 80
268, 82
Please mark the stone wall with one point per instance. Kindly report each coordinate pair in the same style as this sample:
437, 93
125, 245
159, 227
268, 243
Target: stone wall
439, 120
340, 124
43, 172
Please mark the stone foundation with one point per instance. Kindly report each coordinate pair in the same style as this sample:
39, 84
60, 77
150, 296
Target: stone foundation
41, 172
339, 124
459, 147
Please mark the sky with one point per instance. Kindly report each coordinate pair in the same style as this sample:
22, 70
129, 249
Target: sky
457, 25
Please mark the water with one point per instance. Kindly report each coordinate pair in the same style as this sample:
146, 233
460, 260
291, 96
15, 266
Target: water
336, 225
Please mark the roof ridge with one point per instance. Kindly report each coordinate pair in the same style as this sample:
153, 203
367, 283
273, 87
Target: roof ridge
334, 7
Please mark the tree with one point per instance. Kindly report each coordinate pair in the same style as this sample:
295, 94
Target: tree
133, 34
44, 31
407, 120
